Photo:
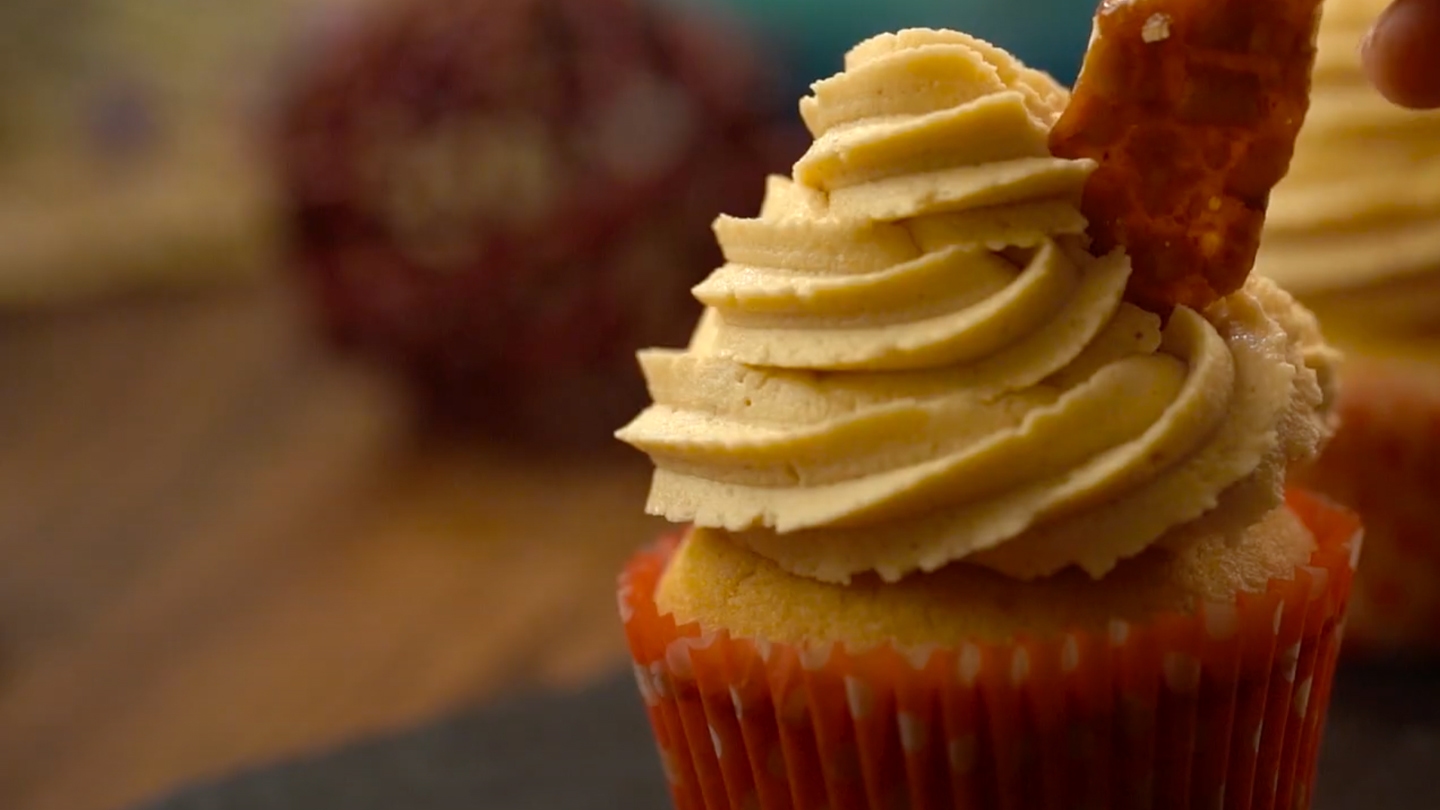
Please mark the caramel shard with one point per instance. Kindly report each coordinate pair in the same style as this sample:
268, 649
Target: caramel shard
1190, 108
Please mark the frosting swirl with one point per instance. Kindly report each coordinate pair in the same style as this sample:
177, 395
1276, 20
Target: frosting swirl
1362, 198
909, 357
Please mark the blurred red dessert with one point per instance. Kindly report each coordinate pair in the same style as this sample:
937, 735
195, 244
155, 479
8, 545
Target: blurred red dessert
505, 198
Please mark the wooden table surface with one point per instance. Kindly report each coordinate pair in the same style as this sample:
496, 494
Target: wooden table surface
220, 545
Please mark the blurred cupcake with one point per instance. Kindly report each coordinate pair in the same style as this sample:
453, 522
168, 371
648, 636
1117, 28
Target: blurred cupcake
1354, 232
967, 529
1385, 462
505, 198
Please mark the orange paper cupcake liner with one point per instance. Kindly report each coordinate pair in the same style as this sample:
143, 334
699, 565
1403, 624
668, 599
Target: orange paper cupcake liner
1219, 709
1384, 462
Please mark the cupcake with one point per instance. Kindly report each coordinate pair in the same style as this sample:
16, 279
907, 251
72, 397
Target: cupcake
1354, 232
963, 528
502, 201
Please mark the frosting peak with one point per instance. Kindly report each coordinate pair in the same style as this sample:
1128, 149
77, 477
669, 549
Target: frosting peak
919, 228
910, 358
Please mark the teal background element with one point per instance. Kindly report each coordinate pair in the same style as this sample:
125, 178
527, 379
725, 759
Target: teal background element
812, 36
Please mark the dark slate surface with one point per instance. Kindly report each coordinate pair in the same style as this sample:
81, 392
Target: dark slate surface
1382, 753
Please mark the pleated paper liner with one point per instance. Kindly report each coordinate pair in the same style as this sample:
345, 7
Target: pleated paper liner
1219, 709
1384, 462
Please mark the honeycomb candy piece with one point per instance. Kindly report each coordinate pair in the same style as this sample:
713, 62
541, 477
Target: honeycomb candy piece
1191, 109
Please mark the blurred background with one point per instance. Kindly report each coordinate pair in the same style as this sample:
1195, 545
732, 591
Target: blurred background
315, 319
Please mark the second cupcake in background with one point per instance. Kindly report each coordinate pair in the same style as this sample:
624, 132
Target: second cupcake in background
966, 528
501, 200
1354, 232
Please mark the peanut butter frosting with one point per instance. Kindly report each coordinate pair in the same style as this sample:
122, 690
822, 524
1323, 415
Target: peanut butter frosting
910, 358
1361, 204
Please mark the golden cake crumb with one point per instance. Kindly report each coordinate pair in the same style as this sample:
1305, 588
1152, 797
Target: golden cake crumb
720, 584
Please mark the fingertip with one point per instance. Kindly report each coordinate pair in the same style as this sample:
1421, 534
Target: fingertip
1400, 56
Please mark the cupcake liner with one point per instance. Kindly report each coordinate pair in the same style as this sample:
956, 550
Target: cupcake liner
1384, 462
1222, 708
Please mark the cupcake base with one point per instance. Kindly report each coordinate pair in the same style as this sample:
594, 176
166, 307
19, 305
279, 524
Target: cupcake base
1222, 708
